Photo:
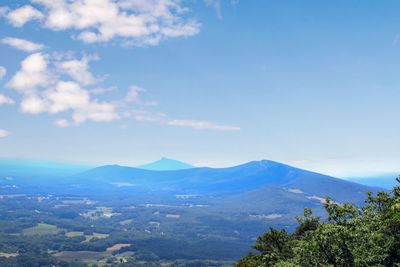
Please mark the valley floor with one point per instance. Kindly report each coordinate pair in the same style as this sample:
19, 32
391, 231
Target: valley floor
105, 231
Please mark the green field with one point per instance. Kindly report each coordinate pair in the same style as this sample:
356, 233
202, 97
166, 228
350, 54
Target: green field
41, 229
74, 234
95, 235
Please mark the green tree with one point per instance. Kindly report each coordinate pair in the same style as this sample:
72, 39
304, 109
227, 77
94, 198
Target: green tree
350, 236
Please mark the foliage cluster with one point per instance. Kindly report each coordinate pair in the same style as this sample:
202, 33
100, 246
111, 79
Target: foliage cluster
351, 236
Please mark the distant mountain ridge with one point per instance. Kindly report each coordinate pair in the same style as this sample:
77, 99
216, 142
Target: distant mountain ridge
39, 168
235, 180
166, 164
258, 184
387, 181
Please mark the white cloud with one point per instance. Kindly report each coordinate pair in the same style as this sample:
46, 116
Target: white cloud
133, 96
22, 15
5, 100
78, 69
136, 22
99, 112
33, 105
3, 72
33, 73
61, 123
22, 44
202, 125
4, 133
69, 96
43, 90
66, 96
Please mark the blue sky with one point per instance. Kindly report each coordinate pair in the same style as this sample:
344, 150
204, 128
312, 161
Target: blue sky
314, 83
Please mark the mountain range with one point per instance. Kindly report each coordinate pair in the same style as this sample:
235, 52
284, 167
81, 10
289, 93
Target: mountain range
250, 194
253, 182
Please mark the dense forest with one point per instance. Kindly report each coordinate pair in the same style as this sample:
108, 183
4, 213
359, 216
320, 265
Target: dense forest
350, 236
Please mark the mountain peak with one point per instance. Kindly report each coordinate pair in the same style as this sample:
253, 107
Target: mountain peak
166, 164
262, 164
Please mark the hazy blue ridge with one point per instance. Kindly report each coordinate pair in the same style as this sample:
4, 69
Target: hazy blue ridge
36, 168
166, 164
235, 180
387, 181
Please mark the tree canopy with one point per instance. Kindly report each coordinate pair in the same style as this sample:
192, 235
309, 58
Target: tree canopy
350, 236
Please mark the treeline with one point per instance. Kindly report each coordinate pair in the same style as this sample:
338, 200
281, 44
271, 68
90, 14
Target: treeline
36, 260
351, 236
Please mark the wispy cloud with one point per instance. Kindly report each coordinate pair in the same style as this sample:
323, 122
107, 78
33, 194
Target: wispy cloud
5, 100
164, 119
78, 69
216, 5
22, 44
103, 90
3, 11
3, 72
4, 133
133, 96
61, 123
135, 22
202, 125
148, 116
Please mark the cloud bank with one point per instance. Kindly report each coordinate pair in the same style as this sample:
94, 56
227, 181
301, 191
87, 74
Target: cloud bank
135, 22
61, 85
50, 85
